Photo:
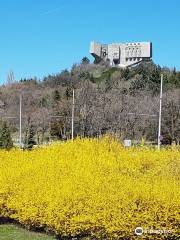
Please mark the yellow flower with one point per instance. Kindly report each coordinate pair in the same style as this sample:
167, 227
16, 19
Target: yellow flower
92, 186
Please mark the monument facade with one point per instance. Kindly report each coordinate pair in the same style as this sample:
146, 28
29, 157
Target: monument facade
122, 54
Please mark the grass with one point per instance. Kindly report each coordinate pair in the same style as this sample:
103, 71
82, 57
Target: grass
13, 232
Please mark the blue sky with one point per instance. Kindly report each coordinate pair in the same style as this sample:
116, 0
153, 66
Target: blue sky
41, 37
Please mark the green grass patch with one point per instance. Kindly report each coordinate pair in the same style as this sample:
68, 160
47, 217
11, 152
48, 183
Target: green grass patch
105, 75
13, 232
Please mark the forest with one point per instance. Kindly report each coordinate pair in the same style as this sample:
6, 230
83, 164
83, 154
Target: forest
108, 100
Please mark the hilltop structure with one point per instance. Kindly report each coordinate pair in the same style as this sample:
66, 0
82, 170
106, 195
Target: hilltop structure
122, 54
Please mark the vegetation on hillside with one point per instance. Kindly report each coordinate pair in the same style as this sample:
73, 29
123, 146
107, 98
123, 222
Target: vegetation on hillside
106, 100
5, 136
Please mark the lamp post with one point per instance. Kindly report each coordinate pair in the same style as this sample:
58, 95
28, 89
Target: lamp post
20, 121
160, 110
72, 121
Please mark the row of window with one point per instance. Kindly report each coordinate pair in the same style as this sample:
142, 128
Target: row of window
133, 49
136, 53
133, 59
131, 44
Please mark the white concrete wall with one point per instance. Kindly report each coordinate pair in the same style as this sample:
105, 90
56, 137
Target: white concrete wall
95, 48
113, 52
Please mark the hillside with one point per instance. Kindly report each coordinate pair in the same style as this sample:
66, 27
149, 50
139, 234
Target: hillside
106, 100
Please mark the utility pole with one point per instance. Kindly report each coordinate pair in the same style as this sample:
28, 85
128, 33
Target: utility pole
72, 123
160, 109
20, 121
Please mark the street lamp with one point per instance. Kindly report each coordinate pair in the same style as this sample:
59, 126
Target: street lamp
160, 109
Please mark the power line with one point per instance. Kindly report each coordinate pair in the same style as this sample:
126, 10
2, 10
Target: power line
9, 117
143, 114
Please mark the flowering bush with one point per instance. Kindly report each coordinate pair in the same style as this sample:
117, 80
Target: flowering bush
92, 187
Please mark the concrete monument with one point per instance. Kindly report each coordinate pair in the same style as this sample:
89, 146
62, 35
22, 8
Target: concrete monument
122, 54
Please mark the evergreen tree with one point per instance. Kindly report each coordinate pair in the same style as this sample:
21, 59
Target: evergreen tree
92, 79
56, 129
108, 82
5, 136
29, 137
56, 96
68, 92
85, 60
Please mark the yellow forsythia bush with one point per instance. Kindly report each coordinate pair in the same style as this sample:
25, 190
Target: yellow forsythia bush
93, 188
